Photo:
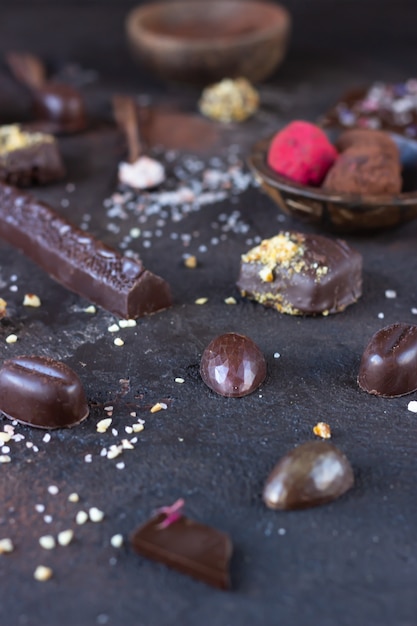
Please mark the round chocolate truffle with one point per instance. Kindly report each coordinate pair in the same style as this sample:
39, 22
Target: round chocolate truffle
232, 365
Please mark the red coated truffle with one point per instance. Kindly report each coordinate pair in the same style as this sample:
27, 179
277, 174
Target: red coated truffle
301, 151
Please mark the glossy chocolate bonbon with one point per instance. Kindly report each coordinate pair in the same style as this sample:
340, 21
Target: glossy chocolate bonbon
313, 473
389, 363
232, 365
41, 392
186, 545
77, 260
302, 274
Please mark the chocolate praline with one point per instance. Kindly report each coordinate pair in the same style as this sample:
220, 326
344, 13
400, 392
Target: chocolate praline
389, 363
232, 365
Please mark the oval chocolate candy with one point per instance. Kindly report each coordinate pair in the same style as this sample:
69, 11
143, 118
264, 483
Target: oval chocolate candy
41, 392
389, 363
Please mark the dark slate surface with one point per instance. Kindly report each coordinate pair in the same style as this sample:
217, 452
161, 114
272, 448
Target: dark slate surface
352, 561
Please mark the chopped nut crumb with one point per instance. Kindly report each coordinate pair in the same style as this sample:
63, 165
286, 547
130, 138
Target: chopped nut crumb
95, 514
179, 380
3, 305
5, 458
81, 518
47, 542
127, 445
31, 299
201, 301
103, 424
5, 437
114, 452
321, 429
113, 328
117, 541
42, 573
11, 338
6, 546
266, 274
118, 342
90, 309
65, 537
230, 300
127, 323
137, 428
73, 497
159, 406
190, 261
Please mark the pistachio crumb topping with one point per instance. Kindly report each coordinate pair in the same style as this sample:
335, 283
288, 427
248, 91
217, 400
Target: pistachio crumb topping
12, 137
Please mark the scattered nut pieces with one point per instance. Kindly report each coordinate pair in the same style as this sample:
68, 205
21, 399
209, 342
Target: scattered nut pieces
95, 514
230, 300
47, 542
65, 537
201, 301
321, 429
137, 428
103, 424
81, 518
11, 338
114, 452
42, 573
159, 406
412, 406
117, 541
6, 546
31, 299
73, 497
113, 328
90, 309
5, 458
390, 294
3, 305
190, 261
179, 380
127, 323
118, 342
5, 437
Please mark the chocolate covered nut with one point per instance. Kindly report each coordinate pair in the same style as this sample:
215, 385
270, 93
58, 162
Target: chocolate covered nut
41, 392
302, 274
389, 363
313, 473
77, 260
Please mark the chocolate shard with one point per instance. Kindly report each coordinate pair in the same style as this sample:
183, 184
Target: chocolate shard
302, 274
28, 158
195, 549
77, 260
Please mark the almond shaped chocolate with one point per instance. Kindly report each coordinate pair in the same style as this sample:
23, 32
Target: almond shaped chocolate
313, 473
389, 363
41, 392
232, 365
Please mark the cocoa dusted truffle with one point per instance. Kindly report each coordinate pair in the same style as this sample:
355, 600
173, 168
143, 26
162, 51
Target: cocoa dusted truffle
365, 170
364, 137
302, 274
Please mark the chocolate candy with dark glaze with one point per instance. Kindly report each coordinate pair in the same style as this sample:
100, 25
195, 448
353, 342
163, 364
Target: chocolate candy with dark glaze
389, 363
302, 274
60, 108
77, 260
41, 392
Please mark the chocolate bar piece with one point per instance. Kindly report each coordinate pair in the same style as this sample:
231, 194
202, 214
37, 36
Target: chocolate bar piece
302, 274
187, 546
41, 392
77, 260
27, 158
389, 363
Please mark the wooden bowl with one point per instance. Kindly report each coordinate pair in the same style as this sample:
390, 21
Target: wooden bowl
342, 213
204, 41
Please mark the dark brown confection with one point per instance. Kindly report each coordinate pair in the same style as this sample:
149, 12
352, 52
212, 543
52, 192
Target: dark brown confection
60, 107
77, 260
28, 158
313, 473
187, 546
389, 363
41, 392
232, 365
302, 274
366, 171
358, 137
